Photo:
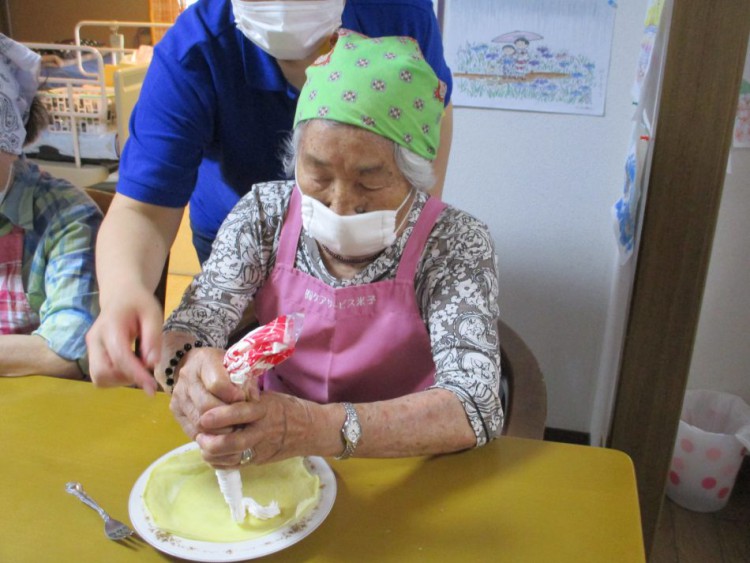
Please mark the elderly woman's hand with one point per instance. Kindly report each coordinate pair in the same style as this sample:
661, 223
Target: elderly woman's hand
203, 384
276, 426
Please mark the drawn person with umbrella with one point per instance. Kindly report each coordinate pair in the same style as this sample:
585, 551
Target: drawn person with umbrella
520, 41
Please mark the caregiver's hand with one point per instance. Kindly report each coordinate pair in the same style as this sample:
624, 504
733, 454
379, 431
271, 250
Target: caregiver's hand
131, 247
276, 427
112, 361
202, 384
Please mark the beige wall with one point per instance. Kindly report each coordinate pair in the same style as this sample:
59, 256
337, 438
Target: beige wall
55, 20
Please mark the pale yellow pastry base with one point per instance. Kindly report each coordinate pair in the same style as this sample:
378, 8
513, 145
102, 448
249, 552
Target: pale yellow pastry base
183, 497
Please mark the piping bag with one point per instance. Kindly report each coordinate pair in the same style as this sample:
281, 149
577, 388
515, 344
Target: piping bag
246, 361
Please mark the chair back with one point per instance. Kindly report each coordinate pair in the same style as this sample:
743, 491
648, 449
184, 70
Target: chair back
526, 411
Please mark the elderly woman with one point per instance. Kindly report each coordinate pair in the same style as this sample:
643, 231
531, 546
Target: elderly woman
399, 352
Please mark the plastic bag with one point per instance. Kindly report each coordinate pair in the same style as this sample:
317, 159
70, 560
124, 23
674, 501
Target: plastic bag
263, 348
259, 350
712, 439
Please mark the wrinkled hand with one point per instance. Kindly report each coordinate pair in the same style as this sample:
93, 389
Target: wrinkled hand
275, 427
112, 361
203, 384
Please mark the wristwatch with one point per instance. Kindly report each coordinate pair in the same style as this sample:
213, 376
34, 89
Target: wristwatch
351, 431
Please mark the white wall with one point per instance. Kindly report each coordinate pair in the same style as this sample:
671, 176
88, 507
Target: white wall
545, 184
721, 357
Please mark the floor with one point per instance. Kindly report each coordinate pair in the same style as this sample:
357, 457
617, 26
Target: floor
176, 285
183, 265
685, 536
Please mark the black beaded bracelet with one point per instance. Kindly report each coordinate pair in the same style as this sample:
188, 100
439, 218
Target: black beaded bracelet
175, 361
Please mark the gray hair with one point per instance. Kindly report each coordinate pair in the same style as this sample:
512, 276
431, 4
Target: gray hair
417, 170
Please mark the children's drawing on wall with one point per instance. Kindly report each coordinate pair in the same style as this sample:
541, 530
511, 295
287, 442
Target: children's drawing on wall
626, 210
742, 120
537, 55
649, 61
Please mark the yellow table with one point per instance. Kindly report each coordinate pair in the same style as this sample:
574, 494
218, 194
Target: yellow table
515, 500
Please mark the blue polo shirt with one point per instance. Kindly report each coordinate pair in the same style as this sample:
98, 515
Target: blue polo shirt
214, 108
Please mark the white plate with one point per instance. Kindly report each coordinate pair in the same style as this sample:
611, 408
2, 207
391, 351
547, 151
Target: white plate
272, 542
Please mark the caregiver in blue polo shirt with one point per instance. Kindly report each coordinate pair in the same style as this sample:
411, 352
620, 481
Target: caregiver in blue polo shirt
217, 103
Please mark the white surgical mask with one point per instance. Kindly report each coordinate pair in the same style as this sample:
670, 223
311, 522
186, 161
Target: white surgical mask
362, 234
290, 30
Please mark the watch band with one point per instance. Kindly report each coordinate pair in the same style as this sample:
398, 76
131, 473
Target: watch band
351, 431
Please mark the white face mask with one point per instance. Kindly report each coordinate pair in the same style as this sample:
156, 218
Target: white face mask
288, 30
363, 234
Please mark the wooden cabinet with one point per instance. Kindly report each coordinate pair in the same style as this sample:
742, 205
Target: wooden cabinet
54, 20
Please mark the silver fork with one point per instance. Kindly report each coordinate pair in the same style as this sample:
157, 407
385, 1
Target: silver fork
113, 529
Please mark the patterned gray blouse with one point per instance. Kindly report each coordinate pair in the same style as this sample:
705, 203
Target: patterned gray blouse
456, 288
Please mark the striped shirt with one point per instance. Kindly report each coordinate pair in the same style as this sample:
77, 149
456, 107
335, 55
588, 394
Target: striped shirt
60, 224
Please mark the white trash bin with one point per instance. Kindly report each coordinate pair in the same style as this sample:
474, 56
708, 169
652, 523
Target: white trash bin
712, 439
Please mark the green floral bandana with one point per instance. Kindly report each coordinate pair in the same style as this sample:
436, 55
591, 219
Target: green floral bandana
380, 84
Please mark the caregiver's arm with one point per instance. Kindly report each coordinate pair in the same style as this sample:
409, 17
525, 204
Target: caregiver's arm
132, 247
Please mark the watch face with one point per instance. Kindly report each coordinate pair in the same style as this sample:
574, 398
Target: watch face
352, 432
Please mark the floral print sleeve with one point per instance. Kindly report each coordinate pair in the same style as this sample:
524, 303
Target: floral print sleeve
456, 288
458, 292
241, 259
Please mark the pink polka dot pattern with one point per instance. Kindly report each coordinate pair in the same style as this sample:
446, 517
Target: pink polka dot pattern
708, 483
704, 461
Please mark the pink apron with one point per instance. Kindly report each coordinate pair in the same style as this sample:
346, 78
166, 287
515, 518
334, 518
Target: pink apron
16, 315
359, 343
